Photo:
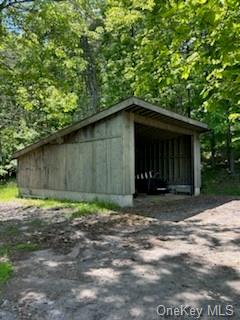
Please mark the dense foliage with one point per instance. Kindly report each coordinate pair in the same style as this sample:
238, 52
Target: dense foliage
61, 60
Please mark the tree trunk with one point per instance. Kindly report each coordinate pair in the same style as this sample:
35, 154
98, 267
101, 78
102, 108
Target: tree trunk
230, 153
213, 150
90, 74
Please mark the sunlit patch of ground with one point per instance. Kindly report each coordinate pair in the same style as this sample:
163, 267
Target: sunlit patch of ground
120, 265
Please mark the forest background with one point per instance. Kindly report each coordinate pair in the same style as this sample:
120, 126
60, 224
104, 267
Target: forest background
63, 60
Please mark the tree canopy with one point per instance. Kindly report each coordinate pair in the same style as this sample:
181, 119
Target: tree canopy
61, 60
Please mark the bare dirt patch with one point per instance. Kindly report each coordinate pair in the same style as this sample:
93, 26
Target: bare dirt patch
122, 265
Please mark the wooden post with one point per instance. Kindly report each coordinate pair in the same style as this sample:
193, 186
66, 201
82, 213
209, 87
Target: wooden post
128, 154
196, 155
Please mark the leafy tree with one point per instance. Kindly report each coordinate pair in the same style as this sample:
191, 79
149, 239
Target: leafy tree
62, 60
183, 55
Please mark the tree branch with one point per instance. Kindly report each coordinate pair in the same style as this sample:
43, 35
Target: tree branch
8, 3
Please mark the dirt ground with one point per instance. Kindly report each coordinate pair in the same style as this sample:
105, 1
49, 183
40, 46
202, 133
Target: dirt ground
123, 265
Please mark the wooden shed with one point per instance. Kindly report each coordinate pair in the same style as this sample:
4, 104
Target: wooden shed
100, 156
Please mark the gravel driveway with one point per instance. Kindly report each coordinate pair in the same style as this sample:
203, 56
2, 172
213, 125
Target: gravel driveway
123, 265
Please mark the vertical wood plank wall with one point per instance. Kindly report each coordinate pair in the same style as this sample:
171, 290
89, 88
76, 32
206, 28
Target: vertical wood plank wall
103, 158
94, 159
170, 157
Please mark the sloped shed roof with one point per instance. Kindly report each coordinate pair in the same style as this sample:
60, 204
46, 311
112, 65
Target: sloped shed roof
132, 104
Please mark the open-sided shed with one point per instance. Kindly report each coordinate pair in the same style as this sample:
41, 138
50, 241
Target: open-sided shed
100, 156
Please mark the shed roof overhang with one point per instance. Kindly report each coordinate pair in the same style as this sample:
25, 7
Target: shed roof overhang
134, 105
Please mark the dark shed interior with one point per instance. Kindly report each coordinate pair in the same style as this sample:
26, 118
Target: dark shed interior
165, 152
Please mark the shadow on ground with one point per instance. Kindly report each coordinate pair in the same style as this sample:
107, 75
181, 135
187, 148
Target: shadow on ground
172, 207
122, 266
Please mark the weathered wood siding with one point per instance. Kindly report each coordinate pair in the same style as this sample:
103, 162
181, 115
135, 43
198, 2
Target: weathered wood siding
95, 159
103, 158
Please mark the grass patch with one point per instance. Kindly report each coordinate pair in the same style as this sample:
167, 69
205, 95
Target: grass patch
26, 247
6, 270
220, 182
11, 231
47, 203
7, 250
85, 208
8, 192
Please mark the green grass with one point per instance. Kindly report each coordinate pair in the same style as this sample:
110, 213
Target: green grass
7, 250
79, 208
26, 247
6, 270
220, 182
91, 208
9, 192
4, 250
11, 231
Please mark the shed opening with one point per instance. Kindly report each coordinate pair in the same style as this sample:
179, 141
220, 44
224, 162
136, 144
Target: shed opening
163, 154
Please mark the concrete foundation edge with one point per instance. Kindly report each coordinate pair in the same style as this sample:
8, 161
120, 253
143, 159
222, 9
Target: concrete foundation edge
121, 200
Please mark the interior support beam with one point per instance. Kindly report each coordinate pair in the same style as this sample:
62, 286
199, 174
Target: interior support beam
160, 125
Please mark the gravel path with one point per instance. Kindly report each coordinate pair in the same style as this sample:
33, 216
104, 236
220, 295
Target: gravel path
123, 265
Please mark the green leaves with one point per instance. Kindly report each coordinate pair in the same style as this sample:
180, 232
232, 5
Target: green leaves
59, 60
184, 55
